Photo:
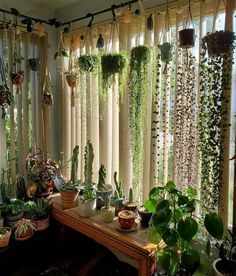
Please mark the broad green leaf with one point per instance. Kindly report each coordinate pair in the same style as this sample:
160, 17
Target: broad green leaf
178, 214
153, 235
64, 53
170, 237
187, 228
190, 260
190, 207
168, 260
162, 205
183, 200
170, 185
214, 225
191, 192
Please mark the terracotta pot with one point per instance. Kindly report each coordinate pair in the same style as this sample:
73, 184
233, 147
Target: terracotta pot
101, 196
86, 208
34, 64
5, 240
69, 199
11, 220
17, 78
126, 219
118, 204
145, 216
130, 206
24, 236
186, 38
72, 82
42, 224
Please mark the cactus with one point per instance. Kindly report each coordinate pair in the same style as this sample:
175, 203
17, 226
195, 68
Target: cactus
20, 188
74, 164
102, 178
107, 201
131, 195
118, 184
88, 166
5, 186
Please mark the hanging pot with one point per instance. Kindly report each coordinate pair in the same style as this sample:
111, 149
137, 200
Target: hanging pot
72, 81
17, 78
186, 38
47, 98
166, 51
34, 64
3, 97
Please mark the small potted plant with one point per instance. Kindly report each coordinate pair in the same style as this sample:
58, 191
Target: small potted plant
130, 204
87, 194
34, 64
5, 233
107, 211
23, 229
29, 209
126, 219
118, 196
61, 50
103, 190
41, 211
145, 215
17, 76
88, 63
72, 78
69, 191
13, 212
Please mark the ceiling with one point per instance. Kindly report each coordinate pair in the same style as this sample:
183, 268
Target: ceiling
55, 4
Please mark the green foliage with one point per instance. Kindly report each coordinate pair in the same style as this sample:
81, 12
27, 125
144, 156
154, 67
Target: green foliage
13, 208
131, 195
102, 178
74, 164
22, 226
41, 208
113, 64
88, 166
138, 77
87, 193
119, 191
174, 223
89, 63
69, 186
73, 74
210, 222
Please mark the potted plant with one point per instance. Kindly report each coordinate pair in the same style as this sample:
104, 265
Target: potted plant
69, 191
29, 209
113, 64
5, 234
41, 169
118, 196
6, 97
138, 89
88, 63
34, 64
23, 229
126, 219
13, 212
47, 97
187, 35
87, 194
72, 78
61, 50
130, 204
17, 76
41, 211
174, 223
107, 211
145, 215
103, 190
219, 43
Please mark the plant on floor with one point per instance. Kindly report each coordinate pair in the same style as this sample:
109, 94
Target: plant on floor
89, 63
174, 223
138, 77
24, 228
113, 64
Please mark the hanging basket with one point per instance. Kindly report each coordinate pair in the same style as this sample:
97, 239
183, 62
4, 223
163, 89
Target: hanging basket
88, 63
17, 78
72, 80
219, 43
166, 52
47, 98
34, 64
186, 38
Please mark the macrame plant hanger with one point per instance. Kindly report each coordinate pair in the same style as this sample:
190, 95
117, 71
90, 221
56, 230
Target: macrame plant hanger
114, 28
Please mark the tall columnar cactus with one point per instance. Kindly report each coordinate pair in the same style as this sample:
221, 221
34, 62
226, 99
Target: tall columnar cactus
131, 195
5, 186
88, 166
102, 178
118, 184
20, 188
74, 164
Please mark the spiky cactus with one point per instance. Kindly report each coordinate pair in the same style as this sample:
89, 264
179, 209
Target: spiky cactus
74, 164
118, 184
88, 166
20, 188
131, 195
107, 202
102, 178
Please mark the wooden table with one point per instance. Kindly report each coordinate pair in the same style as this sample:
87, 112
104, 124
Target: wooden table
134, 245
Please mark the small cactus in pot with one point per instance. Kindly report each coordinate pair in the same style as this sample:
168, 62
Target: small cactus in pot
118, 196
130, 204
108, 212
103, 190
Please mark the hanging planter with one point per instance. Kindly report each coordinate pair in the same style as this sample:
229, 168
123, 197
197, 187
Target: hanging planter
88, 63
138, 78
61, 50
113, 64
166, 52
72, 78
17, 76
187, 35
47, 97
34, 64
219, 43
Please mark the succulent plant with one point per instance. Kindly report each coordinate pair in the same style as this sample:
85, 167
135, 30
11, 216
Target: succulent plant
88, 166
119, 190
131, 195
102, 178
23, 226
74, 164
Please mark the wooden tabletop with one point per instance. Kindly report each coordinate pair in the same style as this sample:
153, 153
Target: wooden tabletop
134, 245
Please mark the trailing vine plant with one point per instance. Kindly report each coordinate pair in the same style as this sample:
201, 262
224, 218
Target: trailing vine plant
138, 78
216, 62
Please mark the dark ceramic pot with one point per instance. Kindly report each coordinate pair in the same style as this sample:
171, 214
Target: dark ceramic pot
186, 38
101, 195
145, 216
34, 64
126, 219
17, 78
118, 204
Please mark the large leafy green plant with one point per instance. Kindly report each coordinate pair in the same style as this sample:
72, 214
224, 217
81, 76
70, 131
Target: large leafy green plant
174, 222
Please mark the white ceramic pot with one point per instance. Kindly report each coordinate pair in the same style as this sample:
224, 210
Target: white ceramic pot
86, 208
216, 272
